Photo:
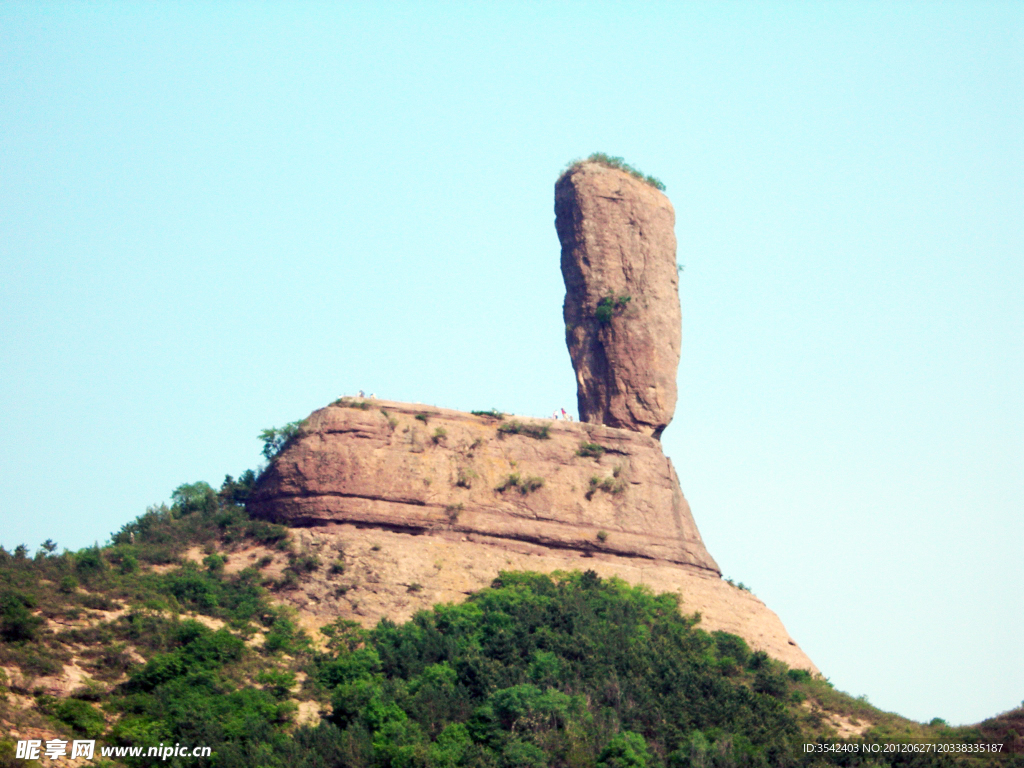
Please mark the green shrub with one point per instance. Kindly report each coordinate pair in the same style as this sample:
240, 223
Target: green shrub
304, 563
83, 718
524, 484
285, 636
536, 431
732, 647
128, 564
439, 436
591, 450
530, 484
265, 533
625, 750
90, 690
609, 306
465, 478
351, 402
799, 675
494, 413
422, 417
276, 682
97, 602
602, 536
16, 620
769, 682
89, 562
606, 484
510, 481
453, 511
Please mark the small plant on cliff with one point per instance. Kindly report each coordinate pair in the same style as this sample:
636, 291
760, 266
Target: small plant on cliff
602, 536
609, 306
590, 450
606, 484
453, 511
439, 436
524, 484
530, 484
512, 481
741, 585
422, 417
466, 478
536, 431
276, 438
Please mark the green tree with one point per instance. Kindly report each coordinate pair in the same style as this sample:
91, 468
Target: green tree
625, 750
276, 438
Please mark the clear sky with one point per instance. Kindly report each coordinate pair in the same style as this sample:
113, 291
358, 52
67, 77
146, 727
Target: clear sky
215, 218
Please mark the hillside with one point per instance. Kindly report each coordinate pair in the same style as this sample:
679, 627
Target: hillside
154, 638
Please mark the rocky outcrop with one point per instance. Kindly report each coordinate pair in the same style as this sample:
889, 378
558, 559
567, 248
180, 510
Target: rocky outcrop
427, 505
561, 485
622, 317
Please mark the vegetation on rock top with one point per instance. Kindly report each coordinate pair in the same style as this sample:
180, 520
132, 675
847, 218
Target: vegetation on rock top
618, 163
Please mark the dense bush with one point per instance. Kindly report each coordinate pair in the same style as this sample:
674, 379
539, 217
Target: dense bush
16, 620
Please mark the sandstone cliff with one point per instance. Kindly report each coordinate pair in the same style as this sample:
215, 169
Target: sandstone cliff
622, 316
409, 497
564, 485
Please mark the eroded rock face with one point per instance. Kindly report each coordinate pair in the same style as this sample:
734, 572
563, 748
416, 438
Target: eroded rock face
455, 472
621, 308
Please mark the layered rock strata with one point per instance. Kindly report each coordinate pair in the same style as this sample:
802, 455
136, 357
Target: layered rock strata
622, 316
562, 485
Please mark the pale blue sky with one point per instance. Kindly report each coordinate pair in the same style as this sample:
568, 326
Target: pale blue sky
218, 217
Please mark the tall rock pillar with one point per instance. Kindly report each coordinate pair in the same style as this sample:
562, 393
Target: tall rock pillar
622, 316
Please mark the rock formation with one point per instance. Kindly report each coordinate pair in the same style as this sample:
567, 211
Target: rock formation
563, 485
409, 495
428, 504
622, 318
